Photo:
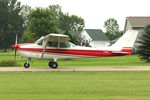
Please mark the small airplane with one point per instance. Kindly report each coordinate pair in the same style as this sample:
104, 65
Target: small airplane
57, 46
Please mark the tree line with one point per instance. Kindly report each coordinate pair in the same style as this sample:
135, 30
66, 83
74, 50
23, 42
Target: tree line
30, 24
42, 21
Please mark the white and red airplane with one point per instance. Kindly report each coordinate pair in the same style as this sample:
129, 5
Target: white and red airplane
56, 46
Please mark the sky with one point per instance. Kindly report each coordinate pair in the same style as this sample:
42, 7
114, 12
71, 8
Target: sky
95, 12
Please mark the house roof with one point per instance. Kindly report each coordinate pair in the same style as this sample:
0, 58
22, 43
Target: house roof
97, 34
139, 21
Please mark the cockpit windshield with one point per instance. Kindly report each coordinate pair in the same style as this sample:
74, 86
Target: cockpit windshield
39, 41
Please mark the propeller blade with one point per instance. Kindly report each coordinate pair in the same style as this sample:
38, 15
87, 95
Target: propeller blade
44, 47
16, 39
15, 49
15, 54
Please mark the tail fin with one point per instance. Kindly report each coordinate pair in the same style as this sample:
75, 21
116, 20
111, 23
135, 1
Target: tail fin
126, 42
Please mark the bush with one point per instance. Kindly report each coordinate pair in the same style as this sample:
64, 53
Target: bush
8, 63
28, 37
143, 48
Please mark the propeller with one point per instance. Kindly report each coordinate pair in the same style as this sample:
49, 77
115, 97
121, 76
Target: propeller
15, 48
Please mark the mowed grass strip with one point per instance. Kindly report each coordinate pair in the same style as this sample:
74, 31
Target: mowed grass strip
75, 85
131, 60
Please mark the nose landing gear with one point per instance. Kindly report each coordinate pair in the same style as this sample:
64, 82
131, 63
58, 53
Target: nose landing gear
27, 65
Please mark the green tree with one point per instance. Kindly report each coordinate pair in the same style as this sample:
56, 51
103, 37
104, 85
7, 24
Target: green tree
42, 21
65, 21
56, 9
11, 22
71, 23
77, 23
143, 48
28, 37
25, 13
112, 29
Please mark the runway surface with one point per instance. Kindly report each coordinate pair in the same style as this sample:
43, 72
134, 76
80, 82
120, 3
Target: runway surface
47, 69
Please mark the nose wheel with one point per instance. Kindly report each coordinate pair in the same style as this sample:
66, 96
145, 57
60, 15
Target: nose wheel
27, 65
53, 64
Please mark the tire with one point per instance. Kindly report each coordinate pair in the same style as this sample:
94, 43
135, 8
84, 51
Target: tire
26, 65
54, 65
50, 63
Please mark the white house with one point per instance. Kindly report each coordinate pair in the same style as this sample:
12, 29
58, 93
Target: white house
136, 23
94, 37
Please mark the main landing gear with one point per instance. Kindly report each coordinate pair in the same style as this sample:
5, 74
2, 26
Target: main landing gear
52, 64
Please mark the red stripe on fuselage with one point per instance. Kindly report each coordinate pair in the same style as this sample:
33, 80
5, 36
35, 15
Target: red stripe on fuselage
93, 53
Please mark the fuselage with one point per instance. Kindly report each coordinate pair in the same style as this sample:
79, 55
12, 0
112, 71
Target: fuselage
33, 50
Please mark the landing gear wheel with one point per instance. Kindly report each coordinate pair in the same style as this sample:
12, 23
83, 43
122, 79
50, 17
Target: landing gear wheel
53, 64
50, 63
26, 65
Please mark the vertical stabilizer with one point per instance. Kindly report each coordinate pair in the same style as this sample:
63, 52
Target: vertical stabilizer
126, 41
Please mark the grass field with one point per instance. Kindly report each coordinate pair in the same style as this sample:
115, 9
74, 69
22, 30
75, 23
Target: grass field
132, 60
75, 86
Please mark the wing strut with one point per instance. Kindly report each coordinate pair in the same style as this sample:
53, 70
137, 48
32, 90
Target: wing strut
44, 47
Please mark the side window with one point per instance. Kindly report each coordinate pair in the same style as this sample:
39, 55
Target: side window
52, 44
64, 45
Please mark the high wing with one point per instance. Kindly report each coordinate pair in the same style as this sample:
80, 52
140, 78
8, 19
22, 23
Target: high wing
57, 37
54, 38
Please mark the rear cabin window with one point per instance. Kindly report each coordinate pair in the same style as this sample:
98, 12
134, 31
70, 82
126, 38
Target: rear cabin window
64, 45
